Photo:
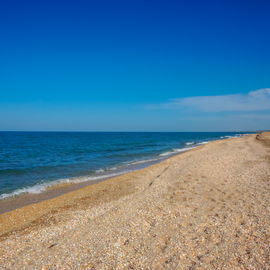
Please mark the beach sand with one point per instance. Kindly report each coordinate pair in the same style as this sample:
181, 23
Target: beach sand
205, 209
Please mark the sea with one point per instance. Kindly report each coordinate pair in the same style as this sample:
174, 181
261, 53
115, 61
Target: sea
30, 162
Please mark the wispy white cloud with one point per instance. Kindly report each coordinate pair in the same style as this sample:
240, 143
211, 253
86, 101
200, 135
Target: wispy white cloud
257, 100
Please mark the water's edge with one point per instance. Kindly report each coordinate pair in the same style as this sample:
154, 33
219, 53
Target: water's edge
23, 199
100, 174
59, 188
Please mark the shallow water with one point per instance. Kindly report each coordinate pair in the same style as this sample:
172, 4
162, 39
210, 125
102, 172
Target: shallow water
32, 161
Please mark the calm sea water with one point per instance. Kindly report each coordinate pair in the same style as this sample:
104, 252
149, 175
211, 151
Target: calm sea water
32, 161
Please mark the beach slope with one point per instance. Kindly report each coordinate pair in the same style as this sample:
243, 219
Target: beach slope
208, 208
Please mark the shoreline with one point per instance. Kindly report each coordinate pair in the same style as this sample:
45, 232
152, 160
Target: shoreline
206, 208
21, 200
18, 201
31, 191
23, 208
15, 204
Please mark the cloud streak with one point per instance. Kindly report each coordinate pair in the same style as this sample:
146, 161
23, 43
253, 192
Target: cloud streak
257, 100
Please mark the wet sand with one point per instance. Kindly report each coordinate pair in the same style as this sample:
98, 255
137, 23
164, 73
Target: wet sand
22, 200
53, 191
13, 203
205, 209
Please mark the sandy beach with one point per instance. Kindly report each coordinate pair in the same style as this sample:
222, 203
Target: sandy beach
208, 208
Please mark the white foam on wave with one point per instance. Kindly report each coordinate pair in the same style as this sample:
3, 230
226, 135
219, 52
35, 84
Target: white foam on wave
38, 188
141, 161
100, 170
201, 143
189, 143
104, 176
183, 149
113, 168
34, 190
177, 150
235, 136
41, 187
104, 170
166, 154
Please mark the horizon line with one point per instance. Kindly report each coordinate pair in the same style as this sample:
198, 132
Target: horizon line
98, 131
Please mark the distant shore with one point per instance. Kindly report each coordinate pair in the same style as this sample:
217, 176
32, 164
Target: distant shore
205, 208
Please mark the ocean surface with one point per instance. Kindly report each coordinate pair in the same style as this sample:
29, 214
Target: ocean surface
32, 161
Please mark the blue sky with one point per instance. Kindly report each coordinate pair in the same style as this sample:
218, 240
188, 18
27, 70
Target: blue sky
134, 65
